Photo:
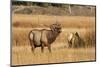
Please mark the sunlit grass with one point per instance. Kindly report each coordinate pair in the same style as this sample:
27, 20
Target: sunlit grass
21, 52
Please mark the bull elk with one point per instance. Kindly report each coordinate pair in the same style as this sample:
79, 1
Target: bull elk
44, 38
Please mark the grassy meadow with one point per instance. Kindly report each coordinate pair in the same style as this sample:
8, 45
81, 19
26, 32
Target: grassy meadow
23, 24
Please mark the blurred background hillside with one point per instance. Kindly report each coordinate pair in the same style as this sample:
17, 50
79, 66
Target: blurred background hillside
37, 8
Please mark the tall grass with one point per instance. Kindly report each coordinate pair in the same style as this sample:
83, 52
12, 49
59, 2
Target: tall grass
32, 21
23, 24
22, 55
20, 36
90, 38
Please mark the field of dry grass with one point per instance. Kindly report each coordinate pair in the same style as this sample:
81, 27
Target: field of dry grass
22, 24
22, 55
26, 21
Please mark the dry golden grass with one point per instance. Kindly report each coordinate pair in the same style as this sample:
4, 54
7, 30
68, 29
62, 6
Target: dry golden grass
22, 24
42, 20
22, 55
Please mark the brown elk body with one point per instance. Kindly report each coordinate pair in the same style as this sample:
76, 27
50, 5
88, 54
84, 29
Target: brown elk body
44, 38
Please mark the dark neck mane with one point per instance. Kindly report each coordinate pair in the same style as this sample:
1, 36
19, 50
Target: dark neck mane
51, 36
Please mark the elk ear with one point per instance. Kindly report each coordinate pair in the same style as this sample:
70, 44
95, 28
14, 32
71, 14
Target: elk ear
76, 33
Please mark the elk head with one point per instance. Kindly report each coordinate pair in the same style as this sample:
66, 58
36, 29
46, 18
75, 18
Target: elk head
56, 27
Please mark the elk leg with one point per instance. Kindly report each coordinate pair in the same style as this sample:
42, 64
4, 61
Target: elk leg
32, 46
42, 49
49, 48
73, 45
70, 45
